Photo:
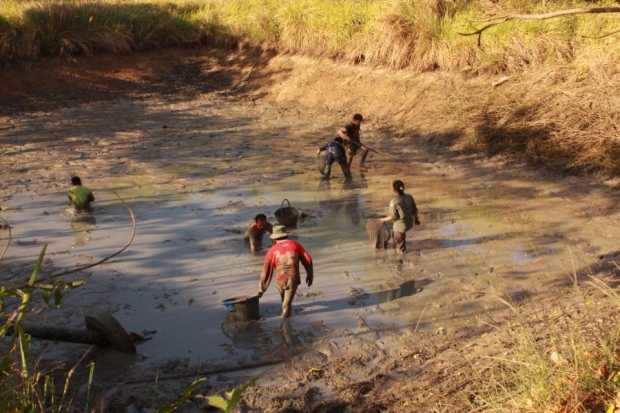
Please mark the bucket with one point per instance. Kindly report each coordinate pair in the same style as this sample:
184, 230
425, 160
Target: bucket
287, 216
244, 308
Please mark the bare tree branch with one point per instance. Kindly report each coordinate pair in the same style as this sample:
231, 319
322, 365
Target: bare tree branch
514, 16
554, 14
601, 36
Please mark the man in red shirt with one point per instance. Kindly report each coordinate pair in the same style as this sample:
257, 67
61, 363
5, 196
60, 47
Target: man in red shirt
283, 259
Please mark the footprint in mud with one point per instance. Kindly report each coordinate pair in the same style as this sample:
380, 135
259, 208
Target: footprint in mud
357, 294
345, 274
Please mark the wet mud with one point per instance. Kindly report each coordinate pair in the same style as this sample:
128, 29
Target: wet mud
196, 169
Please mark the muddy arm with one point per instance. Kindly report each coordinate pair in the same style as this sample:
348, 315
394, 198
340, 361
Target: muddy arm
306, 261
309, 274
265, 277
253, 243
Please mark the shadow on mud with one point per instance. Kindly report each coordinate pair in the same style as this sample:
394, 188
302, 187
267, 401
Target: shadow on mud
435, 243
394, 291
256, 336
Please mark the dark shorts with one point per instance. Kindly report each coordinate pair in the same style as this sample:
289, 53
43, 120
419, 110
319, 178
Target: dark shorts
352, 148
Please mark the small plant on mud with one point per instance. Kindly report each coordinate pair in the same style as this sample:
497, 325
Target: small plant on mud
234, 397
185, 398
24, 385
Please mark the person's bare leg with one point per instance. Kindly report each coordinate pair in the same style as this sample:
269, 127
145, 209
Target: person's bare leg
364, 155
287, 301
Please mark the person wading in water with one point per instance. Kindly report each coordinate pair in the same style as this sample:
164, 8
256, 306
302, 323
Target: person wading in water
256, 230
283, 259
79, 195
351, 134
404, 213
334, 152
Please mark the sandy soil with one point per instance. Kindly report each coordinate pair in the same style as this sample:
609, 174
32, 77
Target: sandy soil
197, 142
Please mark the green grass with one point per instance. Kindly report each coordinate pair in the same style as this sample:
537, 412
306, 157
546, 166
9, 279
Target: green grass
27, 384
418, 34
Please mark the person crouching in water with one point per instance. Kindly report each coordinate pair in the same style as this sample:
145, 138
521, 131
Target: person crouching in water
256, 230
404, 213
283, 259
79, 195
335, 152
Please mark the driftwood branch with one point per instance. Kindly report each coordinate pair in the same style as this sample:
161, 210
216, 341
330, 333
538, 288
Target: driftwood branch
514, 16
603, 35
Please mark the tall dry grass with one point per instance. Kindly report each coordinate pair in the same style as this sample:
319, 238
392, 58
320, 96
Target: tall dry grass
418, 34
561, 358
558, 116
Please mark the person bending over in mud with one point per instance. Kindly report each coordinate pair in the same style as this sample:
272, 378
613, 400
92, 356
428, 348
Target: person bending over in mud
334, 152
404, 213
256, 230
351, 134
79, 195
283, 259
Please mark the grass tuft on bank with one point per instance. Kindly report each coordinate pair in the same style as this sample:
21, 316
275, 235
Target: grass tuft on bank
419, 34
559, 360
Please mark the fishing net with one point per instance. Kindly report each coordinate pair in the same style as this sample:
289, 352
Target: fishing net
321, 162
378, 233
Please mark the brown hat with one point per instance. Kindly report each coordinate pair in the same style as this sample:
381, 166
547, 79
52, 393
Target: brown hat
279, 231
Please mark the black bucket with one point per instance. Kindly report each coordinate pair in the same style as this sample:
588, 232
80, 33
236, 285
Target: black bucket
287, 216
244, 308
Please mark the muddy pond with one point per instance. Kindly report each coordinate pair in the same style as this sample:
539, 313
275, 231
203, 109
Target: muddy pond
196, 171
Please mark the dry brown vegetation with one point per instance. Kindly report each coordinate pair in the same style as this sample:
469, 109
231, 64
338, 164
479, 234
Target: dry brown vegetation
553, 111
558, 117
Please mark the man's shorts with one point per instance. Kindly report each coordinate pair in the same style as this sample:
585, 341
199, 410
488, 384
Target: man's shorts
352, 148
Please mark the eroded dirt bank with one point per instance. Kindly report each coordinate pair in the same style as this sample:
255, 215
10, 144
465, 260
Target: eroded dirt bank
199, 141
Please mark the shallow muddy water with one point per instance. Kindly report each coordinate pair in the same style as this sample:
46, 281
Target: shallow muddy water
196, 172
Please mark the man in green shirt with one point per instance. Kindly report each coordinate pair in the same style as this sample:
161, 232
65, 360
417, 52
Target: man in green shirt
79, 195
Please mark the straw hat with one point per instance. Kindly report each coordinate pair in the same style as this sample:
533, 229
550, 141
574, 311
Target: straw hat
279, 231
